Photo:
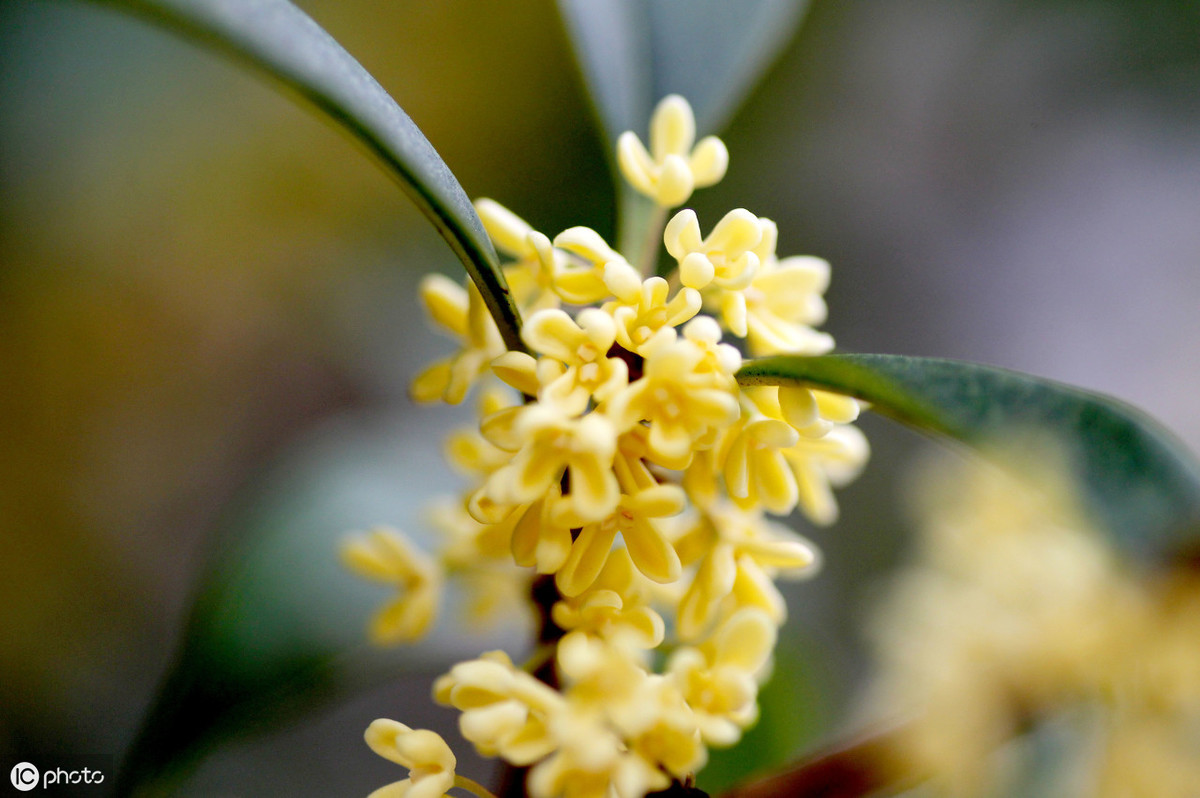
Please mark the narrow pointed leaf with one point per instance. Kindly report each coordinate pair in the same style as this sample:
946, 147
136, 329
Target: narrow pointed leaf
280, 40
634, 52
1137, 479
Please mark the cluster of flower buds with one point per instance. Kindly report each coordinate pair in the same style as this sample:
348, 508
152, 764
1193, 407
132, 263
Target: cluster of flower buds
1018, 615
620, 458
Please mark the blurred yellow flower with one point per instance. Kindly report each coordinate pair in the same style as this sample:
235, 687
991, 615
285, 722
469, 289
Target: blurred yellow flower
1018, 615
430, 761
385, 555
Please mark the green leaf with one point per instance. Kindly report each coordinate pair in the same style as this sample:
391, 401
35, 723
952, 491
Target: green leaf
635, 52
632, 53
1137, 479
280, 40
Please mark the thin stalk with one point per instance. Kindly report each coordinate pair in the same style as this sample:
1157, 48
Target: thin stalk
545, 595
648, 254
470, 785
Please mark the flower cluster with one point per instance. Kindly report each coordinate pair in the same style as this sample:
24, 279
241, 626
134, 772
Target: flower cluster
1018, 617
626, 466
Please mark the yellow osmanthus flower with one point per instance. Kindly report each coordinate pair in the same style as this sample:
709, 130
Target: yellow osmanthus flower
602, 272
478, 558
505, 710
641, 317
533, 534
576, 368
385, 555
553, 443
726, 258
783, 302
635, 519
720, 678
430, 761
756, 472
618, 605
539, 539
660, 726
532, 275
460, 312
737, 554
620, 475
610, 693
672, 168
814, 413
682, 403
766, 462
591, 761
822, 464
603, 613
719, 359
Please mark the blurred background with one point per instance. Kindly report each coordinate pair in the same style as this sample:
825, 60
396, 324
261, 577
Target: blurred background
208, 319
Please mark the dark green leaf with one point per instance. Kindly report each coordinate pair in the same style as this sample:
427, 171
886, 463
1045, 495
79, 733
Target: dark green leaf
1137, 479
279, 39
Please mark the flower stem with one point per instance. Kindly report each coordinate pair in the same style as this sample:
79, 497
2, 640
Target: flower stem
545, 595
470, 785
648, 254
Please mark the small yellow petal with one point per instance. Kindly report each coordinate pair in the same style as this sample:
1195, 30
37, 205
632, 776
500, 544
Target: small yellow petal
675, 182
672, 127
798, 405
508, 231
430, 385
682, 234
382, 735
552, 332
709, 161
446, 302
636, 164
745, 641
651, 552
519, 370
738, 231
836, 408
696, 270
587, 558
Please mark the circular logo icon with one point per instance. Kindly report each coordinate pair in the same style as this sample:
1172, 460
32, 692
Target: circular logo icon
24, 776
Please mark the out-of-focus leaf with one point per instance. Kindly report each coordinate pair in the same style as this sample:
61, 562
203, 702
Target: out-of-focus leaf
279, 39
1137, 479
632, 53
278, 625
795, 708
